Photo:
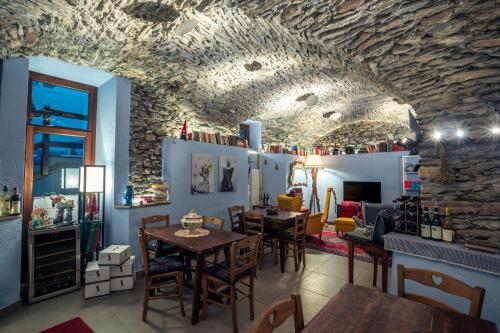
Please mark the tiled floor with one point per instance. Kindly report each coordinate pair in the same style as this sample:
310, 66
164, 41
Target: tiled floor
324, 276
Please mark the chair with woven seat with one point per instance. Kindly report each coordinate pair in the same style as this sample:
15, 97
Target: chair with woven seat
235, 217
254, 224
296, 241
225, 280
276, 314
156, 247
160, 273
444, 283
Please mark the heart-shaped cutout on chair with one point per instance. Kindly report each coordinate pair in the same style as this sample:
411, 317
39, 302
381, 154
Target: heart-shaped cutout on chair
437, 279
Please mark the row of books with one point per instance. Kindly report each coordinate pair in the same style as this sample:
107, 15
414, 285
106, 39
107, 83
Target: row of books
217, 138
384, 147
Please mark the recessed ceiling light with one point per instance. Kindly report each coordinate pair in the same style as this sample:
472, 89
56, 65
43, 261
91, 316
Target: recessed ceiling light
459, 133
185, 27
312, 100
404, 140
253, 66
495, 130
436, 135
302, 98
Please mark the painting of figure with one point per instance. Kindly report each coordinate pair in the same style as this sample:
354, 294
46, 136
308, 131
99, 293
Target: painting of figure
227, 174
202, 174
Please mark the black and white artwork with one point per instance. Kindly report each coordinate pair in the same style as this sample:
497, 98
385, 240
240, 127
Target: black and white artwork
227, 174
202, 174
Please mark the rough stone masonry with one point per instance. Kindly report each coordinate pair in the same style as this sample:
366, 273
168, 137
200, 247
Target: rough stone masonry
367, 61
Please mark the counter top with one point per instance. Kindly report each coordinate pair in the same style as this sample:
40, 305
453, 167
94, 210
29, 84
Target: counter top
142, 206
450, 253
10, 217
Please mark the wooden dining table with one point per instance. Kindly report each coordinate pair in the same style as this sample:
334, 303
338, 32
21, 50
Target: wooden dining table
364, 310
279, 222
197, 247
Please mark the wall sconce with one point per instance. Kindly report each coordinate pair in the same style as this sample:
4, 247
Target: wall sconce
495, 130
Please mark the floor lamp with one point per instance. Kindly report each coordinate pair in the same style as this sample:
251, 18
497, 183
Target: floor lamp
314, 162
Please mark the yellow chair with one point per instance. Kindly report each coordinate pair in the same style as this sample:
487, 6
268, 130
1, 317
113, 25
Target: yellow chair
344, 224
315, 224
293, 204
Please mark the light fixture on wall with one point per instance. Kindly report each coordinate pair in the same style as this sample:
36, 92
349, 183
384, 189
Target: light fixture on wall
459, 133
314, 162
92, 208
495, 130
437, 135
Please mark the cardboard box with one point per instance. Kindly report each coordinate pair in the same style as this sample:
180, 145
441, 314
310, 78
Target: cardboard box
97, 289
125, 269
122, 283
95, 273
114, 255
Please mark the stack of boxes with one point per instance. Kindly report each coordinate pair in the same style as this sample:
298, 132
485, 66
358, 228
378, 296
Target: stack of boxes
114, 271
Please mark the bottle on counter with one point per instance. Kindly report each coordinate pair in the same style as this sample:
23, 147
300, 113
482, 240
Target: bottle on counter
448, 231
436, 226
15, 202
5, 201
425, 226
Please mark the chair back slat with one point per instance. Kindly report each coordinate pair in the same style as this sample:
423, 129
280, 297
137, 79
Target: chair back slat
442, 282
254, 223
234, 216
244, 255
214, 222
277, 313
146, 221
300, 225
144, 250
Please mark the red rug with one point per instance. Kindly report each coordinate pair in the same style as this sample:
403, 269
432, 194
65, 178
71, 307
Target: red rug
330, 243
75, 325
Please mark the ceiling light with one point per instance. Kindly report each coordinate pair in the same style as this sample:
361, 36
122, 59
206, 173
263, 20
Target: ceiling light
312, 100
185, 27
253, 66
436, 135
495, 130
404, 140
459, 133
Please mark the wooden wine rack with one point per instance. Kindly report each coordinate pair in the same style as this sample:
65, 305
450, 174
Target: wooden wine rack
402, 216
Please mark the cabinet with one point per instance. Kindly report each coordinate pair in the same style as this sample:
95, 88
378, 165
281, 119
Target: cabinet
411, 179
54, 261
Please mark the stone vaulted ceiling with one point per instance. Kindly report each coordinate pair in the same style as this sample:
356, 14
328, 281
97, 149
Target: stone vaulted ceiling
217, 63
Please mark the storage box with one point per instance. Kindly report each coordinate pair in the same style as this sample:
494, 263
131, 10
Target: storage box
97, 289
96, 273
114, 255
122, 283
125, 269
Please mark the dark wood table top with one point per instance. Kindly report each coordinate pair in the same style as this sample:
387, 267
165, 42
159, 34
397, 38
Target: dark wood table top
360, 309
281, 216
199, 245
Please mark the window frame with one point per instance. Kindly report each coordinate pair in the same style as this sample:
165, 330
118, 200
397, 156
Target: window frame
88, 135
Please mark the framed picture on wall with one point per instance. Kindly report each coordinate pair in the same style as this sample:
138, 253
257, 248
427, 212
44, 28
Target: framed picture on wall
202, 174
227, 173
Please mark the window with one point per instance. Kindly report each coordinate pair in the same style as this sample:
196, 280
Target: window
60, 138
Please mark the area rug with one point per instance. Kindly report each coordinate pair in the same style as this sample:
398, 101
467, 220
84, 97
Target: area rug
331, 243
75, 325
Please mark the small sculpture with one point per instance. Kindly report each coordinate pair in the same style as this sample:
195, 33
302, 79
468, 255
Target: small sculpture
128, 195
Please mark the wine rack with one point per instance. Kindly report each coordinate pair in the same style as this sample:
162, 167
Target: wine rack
54, 261
407, 215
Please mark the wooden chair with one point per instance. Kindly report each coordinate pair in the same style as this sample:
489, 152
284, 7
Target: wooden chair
254, 224
296, 241
278, 312
217, 223
235, 216
159, 273
155, 247
442, 282
223, 280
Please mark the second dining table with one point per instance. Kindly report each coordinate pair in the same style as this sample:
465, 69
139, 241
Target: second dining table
280, 222
199, 247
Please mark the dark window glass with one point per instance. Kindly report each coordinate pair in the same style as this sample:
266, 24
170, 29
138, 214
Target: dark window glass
58, 106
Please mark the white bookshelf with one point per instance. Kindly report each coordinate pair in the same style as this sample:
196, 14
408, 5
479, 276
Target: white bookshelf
411, 176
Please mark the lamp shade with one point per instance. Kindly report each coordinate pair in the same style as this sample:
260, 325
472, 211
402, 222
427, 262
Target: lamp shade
92, 178
69, 178
314, 161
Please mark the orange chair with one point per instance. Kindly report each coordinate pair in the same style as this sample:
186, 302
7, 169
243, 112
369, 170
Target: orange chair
293, 204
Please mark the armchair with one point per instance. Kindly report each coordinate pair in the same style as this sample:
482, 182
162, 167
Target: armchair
293, 204
315, 224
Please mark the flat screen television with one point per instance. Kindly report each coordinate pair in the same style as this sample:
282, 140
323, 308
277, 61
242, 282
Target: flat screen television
363, 191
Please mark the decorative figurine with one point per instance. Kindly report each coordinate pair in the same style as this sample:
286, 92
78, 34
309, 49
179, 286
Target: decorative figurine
128, 195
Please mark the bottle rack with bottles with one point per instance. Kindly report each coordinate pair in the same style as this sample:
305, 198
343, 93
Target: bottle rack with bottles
54, 261
407, 215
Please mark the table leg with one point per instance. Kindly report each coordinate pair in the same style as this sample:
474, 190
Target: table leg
195, 315
282, 235
385, 269
227, 254
351, 261
375, 269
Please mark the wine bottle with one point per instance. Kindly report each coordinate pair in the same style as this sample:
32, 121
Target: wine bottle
425, 226
15, 202
5, 208
436, 227
448, 232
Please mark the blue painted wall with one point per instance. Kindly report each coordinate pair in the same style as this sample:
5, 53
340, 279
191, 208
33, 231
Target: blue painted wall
13, 97
488, 281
